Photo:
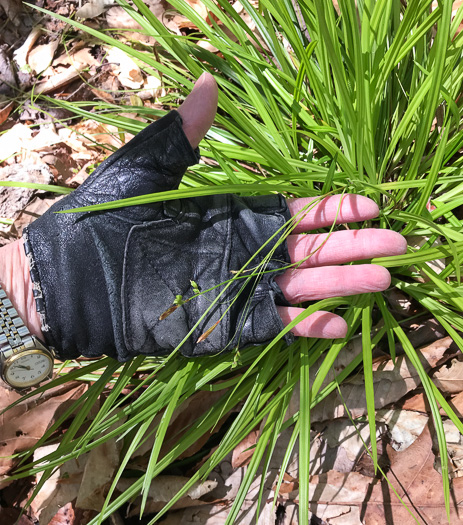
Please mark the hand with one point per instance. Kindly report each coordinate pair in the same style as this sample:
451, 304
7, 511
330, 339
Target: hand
104, 278
317, 278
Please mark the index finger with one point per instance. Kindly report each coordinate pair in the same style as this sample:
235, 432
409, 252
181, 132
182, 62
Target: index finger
342, 208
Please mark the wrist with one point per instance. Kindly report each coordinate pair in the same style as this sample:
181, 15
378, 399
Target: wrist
16, 281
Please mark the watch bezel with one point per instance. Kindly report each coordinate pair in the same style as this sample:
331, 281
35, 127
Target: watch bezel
9, 361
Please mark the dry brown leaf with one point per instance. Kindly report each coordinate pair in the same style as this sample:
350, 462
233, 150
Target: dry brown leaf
78, 56
23, 425
36, 208
164, 488
12, 9
126, 69
91, 9
61, 488
218, 514
41, 57
450, 378
20, 55
14, 200
404, 426
416, 481
5, 112
58, 80
417, 241
336, 496
456, 403
417, 403
84, 480
98, 473
338, 446
181, 420
92, 133
392, 381
242, 454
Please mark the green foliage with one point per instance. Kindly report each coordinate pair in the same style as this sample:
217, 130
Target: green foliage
365, 101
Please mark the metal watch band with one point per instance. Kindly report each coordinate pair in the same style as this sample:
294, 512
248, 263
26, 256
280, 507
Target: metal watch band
14, 335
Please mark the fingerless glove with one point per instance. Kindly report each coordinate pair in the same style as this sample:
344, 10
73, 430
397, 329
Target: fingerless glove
102, 280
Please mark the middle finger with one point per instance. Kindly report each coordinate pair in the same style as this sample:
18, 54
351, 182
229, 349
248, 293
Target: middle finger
344, 246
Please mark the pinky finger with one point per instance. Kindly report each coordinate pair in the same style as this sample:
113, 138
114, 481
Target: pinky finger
323, 325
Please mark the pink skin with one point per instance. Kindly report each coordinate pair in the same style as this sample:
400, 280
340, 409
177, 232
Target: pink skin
319, 277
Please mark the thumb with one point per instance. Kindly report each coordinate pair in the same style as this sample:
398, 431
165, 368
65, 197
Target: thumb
199, 109
156, 159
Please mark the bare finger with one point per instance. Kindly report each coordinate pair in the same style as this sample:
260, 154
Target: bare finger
323, 325
342, 208
332, 281
344, 246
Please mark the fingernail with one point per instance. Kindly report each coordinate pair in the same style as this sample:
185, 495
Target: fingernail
201, 79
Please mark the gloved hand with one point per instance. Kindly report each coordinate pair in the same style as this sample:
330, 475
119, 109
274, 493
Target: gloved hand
102, 280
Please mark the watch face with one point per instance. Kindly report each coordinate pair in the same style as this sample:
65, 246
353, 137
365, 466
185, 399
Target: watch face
28, 368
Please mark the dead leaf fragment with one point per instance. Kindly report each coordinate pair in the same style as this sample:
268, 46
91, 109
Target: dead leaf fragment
91, 9
413, 476
13, 200
41, 57
23, 425
450, 378
404, 426
164, 488
12, 9
5, 112
20, 55
127, 71
392, 381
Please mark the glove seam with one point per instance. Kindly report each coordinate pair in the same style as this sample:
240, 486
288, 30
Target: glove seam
35, 279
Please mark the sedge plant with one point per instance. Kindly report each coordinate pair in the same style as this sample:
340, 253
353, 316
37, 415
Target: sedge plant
364, 98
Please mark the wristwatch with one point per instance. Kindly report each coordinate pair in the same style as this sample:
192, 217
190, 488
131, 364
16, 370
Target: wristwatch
24, 360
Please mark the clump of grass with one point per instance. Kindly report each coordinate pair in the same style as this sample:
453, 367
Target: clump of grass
366, 100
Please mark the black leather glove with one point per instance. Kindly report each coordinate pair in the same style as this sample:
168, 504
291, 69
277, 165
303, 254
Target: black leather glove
103, 279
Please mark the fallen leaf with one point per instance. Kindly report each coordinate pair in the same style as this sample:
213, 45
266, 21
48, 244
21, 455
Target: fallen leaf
58, 80
91, 9
23, 425
242, 453
36, 207
454, 441
416, 481
7, 77
84, 480
218, 515
392, 381
20, 55
14, 200
12, 9
164, 488
339, 445
126, 69
417, 241
417, 402
61, 488
41, 57
77, 57
404, 426
5, 112
456, 403
450, 378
